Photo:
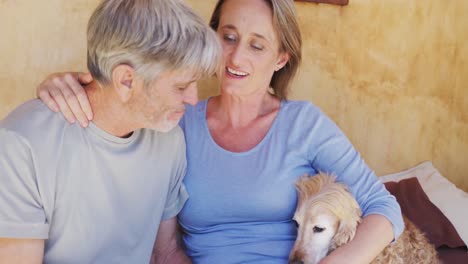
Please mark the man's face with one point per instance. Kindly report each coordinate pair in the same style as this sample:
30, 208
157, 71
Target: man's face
161, 105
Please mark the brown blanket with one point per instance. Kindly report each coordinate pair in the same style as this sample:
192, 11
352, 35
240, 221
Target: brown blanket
424, 214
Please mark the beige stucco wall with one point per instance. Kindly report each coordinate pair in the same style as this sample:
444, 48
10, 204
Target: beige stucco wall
392, 74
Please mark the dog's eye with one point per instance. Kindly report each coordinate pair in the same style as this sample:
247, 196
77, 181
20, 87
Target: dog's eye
318, 229
295, 223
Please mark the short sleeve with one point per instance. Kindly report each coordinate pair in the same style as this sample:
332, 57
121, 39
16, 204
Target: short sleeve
21, 211
177, 195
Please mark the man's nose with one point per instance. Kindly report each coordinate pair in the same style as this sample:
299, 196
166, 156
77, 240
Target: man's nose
191, 94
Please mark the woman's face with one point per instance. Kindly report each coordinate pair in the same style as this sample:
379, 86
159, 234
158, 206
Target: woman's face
251, 52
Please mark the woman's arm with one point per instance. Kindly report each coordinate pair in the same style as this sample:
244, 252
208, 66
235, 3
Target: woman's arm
373, 234
64, 92
333, 153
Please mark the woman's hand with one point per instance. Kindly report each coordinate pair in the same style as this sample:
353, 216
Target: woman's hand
64, 92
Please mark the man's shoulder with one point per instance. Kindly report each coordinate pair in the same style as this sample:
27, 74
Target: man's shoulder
30, 116
34, 123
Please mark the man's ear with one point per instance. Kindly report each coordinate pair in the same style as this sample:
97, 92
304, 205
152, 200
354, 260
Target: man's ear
283, 58
123, 81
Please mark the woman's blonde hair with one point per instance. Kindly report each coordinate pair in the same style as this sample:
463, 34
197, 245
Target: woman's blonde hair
152, 36
288, 33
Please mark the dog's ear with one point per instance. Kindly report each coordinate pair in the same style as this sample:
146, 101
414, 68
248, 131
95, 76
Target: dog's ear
302, 189
345, 233
349, 222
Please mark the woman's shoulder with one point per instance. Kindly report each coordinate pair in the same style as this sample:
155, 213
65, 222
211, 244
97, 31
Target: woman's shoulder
200, 106
192, 111
304, 115
193, 114
301, 107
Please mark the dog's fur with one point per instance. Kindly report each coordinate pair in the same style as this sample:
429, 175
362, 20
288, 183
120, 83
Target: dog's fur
328, 216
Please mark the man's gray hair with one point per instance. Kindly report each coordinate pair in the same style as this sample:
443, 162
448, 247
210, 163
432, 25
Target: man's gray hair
152, 36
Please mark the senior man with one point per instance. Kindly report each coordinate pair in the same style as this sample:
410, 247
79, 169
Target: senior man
103, 194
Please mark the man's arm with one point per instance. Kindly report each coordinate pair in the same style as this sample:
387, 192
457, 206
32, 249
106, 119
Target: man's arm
19, 251
23, 225
168, 247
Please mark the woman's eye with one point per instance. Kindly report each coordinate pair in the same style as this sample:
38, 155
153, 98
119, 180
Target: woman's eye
318, 229
257, 47
229, 38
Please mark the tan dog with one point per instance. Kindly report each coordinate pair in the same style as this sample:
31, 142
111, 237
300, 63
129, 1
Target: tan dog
328, 215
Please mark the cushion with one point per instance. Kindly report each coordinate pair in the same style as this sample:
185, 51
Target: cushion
451, 201
452, 255
417, 207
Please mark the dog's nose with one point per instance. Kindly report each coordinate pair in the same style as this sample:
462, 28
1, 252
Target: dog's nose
296, 257
296, 262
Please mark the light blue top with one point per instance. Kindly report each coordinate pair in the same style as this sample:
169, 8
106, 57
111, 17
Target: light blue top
241, 204
94, 197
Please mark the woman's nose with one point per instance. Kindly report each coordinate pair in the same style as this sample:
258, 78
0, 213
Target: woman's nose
236, 55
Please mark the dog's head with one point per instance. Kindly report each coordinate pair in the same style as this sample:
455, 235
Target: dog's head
327, 216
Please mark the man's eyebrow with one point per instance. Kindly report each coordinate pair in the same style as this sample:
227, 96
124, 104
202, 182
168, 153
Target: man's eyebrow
187, 82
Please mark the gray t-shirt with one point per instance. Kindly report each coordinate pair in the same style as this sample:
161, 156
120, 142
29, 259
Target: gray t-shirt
94, 197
